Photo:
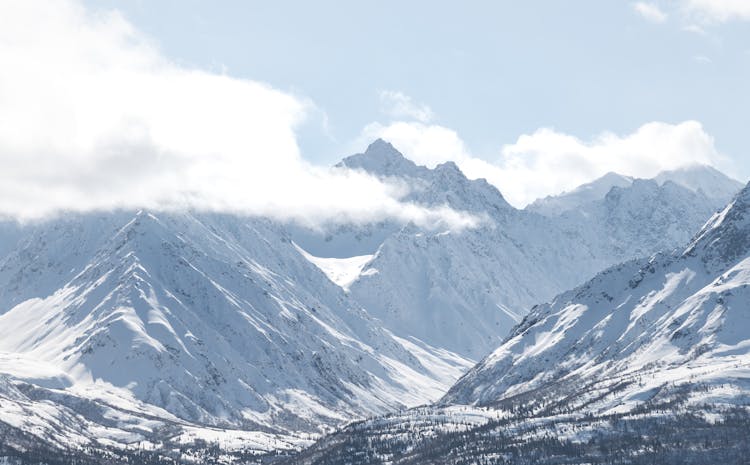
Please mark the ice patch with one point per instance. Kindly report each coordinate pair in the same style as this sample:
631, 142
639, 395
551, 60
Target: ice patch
341, 271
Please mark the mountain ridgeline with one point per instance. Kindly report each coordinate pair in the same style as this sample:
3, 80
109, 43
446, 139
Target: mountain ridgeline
463, 291
210, 337
648, 362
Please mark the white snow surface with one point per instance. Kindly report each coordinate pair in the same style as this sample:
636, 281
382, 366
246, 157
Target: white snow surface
464, 291
341, 271
198, 320
120, 327
554, 205
702, 179
673, 319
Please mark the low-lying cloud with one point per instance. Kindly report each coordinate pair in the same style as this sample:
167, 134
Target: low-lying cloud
93, 117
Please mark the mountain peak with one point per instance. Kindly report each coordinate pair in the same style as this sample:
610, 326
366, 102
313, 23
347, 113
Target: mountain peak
382, 159
448, 166
381, 146
612, 176
702, 178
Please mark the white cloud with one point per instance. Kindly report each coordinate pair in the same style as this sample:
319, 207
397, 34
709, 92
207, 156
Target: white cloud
650, 11
548, 162
695, 29
92, 116
696, 13
398, 105
719, 10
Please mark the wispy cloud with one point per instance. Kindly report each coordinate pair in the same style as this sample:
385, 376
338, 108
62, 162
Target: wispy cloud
719, 10
695, 29
552, 161
650, 11
695, 14
93, 116
398, 105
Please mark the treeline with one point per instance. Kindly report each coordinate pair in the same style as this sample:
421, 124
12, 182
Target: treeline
21, 448
685, 438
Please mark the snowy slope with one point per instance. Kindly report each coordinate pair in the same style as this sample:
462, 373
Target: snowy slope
460, 290
640, 219
670, 319
553, 205
649, 362
165, 328
701, 179
202, 320
465, 290
342, 271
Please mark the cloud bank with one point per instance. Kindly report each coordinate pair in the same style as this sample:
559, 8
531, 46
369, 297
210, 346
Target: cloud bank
548, 162
93, 117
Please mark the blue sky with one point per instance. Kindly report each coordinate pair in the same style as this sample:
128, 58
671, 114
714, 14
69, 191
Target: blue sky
244, 105
489, 70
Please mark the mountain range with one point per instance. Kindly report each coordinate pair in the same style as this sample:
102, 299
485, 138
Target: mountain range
648, 362
188, 320
465, 290
124, 332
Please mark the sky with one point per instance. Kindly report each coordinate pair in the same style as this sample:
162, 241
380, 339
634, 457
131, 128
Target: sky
243, 105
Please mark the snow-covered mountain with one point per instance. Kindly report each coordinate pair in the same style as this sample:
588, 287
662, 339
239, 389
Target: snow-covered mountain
553, 205
701, 179
648, 362
464, 290
640, 219
181, 324
667, 319
123, 332
452, 289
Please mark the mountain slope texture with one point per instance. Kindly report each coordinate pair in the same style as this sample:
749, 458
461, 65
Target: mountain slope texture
144, 329
464, 290
153, 337
649, 362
